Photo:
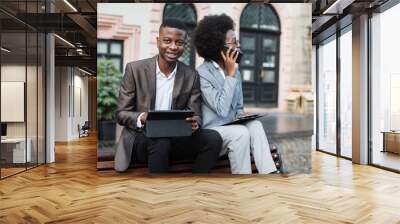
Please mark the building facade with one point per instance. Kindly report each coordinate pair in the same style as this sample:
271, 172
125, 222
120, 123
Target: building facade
276, 67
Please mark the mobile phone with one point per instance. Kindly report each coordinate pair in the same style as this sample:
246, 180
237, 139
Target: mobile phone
226, 47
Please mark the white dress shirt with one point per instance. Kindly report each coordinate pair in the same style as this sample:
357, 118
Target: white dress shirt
164, 88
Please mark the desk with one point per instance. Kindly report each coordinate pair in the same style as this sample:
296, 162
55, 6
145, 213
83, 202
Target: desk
13, 150
391, 141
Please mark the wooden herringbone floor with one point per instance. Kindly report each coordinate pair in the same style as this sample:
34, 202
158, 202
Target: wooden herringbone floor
72, 191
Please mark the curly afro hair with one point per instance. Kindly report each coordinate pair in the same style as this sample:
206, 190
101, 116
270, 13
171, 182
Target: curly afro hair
209, 36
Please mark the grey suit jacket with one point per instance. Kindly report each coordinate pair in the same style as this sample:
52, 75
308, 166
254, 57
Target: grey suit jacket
137, 94
222, 99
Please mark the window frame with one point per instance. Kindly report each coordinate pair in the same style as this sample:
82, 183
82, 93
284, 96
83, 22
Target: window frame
108, 55
258, 34
334, 37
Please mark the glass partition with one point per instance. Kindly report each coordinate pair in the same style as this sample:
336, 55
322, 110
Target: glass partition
22, 78
327, 96
385, 89
14, 153
346, 93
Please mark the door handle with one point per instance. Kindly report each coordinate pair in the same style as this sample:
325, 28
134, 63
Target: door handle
261, 75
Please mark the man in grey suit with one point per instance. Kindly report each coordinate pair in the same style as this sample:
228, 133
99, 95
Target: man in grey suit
221, 88
163, 83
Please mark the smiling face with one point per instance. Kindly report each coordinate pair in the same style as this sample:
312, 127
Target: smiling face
171, 43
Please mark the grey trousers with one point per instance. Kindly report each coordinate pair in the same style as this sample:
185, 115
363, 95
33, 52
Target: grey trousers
241, 140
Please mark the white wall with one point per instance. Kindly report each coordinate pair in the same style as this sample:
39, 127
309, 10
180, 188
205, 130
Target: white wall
133, 14
16, 73
69, 85
33, 125
61, 103
80, 109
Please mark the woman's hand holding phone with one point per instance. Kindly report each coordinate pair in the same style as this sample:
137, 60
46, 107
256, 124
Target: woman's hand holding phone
229, 58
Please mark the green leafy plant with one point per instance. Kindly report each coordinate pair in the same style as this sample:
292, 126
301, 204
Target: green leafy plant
108, 83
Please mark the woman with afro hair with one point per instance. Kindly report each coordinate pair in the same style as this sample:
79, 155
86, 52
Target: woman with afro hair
221, 88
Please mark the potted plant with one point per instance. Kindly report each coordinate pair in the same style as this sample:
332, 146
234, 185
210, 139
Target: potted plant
108, 83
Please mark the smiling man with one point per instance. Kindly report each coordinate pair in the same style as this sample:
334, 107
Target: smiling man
163, 83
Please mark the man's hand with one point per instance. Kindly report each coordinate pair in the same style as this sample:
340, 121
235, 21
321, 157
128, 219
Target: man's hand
195, 125
143, 118
230, 61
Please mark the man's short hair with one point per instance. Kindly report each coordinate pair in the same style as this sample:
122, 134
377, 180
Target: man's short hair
173, 23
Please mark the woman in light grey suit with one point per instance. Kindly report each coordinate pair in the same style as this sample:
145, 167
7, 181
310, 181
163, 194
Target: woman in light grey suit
221, 88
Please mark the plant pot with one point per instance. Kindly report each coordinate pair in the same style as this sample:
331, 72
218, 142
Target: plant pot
106, 130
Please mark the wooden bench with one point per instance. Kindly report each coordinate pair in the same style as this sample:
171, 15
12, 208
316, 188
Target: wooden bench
179, 166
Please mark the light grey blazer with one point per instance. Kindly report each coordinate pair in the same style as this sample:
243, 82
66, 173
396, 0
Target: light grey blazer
222, 99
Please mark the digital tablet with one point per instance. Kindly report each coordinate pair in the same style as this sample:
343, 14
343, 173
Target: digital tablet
243, 119
168, 123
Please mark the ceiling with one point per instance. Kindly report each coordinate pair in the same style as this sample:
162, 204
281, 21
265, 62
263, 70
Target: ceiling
75, 21
330, 15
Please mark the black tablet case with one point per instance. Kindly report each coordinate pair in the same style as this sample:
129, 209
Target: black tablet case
171, 123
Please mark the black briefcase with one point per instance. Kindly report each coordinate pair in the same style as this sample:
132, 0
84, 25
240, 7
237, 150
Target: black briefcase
168, 123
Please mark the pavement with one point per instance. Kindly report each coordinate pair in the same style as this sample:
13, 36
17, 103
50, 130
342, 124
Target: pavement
285, 124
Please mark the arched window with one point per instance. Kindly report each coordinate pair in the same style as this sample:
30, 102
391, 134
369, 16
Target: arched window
187, 14
259, 39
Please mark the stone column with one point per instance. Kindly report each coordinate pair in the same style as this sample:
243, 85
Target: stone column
360, 90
